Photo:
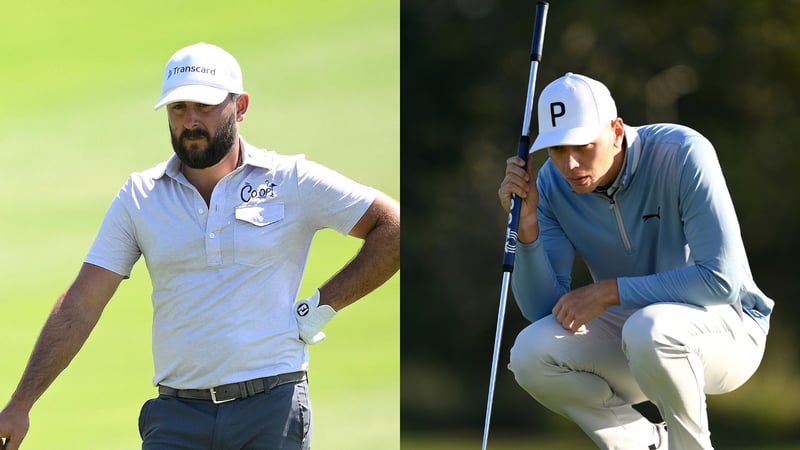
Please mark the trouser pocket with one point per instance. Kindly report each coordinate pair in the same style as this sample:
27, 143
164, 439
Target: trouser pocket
143, 416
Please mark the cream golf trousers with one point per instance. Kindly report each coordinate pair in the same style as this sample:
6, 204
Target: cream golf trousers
671, 354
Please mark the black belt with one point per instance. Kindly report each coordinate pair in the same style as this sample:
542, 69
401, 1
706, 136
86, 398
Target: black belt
234, 391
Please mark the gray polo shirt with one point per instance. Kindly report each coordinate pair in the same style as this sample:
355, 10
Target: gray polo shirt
225, 276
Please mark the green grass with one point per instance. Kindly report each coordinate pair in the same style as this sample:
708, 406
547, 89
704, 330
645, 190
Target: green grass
497, 441
80, 85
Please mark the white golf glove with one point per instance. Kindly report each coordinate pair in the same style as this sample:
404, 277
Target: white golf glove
311, 317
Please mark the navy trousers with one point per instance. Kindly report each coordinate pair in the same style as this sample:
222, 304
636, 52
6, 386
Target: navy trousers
277, 419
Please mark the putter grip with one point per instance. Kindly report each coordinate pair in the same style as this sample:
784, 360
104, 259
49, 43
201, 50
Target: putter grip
510, 250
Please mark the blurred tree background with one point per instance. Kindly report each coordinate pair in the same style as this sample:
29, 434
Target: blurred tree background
729, 69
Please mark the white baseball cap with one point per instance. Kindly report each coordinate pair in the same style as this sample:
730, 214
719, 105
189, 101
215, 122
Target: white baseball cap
573, 111
201, 73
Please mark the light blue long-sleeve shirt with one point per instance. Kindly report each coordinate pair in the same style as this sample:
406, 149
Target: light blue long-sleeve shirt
666, 230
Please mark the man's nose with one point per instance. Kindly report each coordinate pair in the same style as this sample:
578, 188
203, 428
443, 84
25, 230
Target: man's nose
190, 118
572, 162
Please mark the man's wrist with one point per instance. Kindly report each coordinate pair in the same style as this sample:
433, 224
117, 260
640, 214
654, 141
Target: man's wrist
20, 403
528, 231
612, 297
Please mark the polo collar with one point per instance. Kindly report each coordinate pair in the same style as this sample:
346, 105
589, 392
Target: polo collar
633, 151
251, 156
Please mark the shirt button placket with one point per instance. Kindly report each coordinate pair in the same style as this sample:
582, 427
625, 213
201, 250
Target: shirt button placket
213, 251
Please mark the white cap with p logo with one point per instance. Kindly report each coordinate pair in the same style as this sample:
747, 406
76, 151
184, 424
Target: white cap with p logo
573, 111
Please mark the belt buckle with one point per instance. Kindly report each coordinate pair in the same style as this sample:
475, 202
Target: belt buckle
214, 397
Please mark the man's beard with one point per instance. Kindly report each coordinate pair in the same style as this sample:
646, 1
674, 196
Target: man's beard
224, 137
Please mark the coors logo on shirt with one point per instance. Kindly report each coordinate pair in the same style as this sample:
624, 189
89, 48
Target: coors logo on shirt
263, 190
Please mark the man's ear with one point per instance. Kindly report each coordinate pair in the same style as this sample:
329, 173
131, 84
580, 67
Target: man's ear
619, 131
242, 103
